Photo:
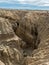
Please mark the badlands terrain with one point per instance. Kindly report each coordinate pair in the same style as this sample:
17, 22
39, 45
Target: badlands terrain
24, 37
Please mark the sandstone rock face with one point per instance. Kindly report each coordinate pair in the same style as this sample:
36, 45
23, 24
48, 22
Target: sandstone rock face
5, 29
10, 50
9, 54
24, 37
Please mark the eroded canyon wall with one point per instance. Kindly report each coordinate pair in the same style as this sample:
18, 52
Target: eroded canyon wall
24, 37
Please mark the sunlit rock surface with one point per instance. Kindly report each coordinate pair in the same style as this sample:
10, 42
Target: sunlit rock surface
24, 37
5, 29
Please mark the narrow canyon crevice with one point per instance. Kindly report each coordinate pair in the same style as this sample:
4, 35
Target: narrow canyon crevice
28, 48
